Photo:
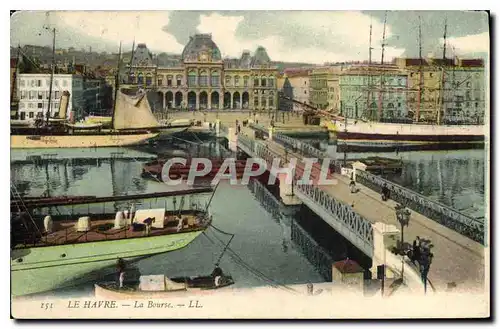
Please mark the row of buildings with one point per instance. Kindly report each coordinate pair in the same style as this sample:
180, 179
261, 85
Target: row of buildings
427, 90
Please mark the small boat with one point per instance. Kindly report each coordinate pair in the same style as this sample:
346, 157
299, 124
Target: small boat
153, 169
161, 287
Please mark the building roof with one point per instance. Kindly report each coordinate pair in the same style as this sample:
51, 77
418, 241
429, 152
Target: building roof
201, 47
296, 72
142, 56
246, 59
260, 58
348, 266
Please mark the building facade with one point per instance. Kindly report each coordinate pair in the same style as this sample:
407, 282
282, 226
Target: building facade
464, 88
376, 92
202, 80
97, 96
299, 81
324, 88
445, 90
33, 93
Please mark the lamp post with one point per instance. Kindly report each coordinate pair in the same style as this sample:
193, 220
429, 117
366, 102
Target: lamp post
403, 217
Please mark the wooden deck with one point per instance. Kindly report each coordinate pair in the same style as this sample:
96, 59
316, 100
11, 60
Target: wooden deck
65, 232
457, 258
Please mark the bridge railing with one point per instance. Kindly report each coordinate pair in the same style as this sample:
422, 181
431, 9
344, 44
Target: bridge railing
442, 214
355, 223
266, 198
259, 128
246, 142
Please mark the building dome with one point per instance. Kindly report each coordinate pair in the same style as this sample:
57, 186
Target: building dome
201, 48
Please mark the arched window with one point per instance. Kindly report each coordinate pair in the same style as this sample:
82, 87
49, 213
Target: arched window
140, 79
160, 80
214, 79
270, 81
237, 80
169, 80
256, 101
203, 78
256, 82
245, 81
270, 102
192, 78
263, 101
263, 82
228, 80
179, 80
149, 79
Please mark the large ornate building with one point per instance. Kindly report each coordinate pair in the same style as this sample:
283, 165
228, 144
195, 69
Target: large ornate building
201, 79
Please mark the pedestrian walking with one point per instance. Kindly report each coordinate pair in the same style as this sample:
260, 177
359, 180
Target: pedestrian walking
352, 186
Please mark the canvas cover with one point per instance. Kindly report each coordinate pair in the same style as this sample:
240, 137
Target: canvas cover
133, 112
157, 214
152, 283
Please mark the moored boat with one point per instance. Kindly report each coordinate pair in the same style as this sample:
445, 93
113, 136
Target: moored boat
50, 252
162, 287
383, 135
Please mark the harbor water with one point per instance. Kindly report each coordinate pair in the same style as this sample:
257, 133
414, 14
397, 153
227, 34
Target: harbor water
455, 178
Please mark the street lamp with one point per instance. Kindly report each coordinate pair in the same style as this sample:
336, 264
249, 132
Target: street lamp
403, 217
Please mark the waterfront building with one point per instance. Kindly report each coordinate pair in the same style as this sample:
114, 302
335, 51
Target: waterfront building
464, 92
97, 96
299, 81
424, 87
456, 96
375, 92
201, 79
324, 88
33, 94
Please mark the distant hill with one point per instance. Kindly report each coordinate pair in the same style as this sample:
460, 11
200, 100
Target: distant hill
43, 55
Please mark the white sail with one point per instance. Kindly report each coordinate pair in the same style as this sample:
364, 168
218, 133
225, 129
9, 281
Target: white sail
133, 112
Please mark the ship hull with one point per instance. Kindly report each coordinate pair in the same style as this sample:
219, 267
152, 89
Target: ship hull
79, 141
409, 136
40, 269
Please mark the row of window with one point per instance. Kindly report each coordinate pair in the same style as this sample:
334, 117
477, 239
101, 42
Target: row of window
33, 94
40, 106
270, 101
42, 82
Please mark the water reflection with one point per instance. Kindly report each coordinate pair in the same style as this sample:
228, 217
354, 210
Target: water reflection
233, 208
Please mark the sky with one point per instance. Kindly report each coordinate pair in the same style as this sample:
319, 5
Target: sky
292, 36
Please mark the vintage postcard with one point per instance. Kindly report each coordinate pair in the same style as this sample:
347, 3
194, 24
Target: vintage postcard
249, 164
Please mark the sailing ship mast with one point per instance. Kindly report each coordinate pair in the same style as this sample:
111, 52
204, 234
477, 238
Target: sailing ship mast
420, 73
117, 85
382, 63
442, 84
131, 59
52, 72
368, 99
13, 96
